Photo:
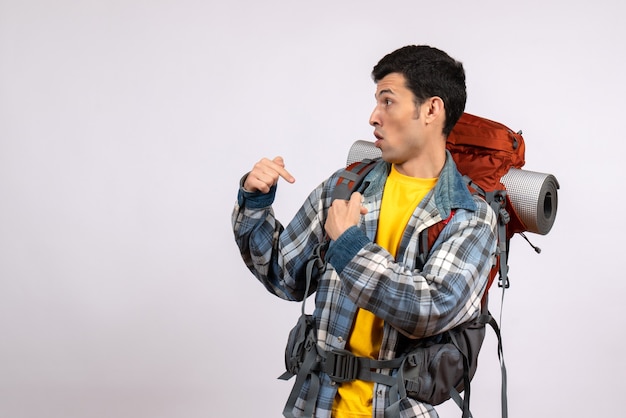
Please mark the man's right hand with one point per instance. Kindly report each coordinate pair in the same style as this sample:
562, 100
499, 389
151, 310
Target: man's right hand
265, 174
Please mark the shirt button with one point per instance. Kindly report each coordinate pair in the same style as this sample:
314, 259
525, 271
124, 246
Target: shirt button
340, 339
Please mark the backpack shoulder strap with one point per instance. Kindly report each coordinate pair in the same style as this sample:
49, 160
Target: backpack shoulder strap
427, 239
351, 178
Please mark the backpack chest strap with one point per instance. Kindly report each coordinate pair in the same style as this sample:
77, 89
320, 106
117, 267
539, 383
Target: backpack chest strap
343, 366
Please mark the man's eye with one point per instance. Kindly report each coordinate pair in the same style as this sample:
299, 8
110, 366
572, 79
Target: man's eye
387, 102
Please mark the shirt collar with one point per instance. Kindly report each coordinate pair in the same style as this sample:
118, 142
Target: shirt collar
450, 191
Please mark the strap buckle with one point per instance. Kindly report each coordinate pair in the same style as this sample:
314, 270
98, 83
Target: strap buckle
341, 366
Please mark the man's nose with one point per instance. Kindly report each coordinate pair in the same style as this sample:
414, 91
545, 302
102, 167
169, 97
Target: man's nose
374, 119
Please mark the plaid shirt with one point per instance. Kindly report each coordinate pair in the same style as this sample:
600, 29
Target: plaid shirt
413, 303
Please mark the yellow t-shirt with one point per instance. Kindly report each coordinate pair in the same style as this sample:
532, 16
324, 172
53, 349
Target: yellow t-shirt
401, 196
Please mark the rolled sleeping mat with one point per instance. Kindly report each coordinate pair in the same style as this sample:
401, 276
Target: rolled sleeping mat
534, 198
361, 150
533, 195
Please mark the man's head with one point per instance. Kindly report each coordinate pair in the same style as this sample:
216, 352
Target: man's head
429, 72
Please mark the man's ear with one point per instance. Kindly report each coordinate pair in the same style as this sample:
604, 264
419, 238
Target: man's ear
434, 110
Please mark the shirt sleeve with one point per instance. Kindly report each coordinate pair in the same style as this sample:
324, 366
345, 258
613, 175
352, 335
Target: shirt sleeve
277, 255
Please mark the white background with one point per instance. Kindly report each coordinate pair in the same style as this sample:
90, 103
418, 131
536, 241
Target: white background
125, 126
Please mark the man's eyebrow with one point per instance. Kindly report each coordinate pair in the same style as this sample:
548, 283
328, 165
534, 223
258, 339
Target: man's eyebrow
384, 91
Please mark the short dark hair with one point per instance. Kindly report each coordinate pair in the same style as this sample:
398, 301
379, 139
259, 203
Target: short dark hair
428, 72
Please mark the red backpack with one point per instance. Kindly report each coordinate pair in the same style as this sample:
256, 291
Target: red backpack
484, 151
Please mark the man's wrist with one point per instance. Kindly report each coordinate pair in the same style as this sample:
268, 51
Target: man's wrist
254, 200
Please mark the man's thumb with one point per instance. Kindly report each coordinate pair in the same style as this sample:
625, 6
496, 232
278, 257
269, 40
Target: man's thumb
356, 198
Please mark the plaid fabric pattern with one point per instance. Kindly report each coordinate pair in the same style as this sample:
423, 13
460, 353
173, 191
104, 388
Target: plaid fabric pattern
413, 303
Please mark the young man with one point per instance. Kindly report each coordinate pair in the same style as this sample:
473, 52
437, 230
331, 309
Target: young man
373, 299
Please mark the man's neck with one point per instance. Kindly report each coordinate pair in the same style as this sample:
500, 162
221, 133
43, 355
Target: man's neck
427, 165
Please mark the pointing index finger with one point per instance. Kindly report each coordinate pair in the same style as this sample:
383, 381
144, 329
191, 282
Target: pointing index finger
280, 169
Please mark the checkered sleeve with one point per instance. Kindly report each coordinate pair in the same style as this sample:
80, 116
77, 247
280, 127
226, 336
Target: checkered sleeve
275, 254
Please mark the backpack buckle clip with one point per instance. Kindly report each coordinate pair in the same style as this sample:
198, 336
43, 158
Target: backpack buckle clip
341, 366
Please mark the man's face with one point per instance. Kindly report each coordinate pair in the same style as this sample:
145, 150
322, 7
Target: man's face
395, 119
